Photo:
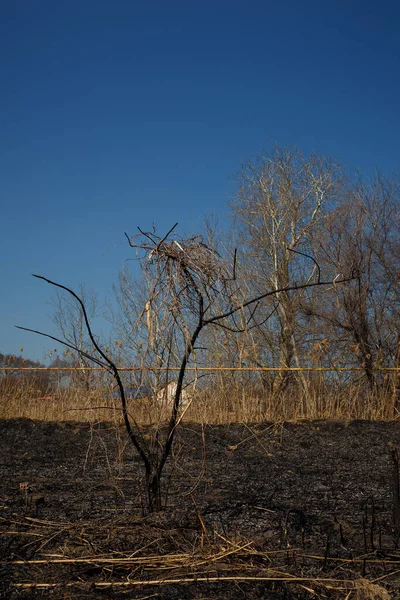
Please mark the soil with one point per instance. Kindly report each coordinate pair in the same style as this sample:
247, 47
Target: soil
288, 510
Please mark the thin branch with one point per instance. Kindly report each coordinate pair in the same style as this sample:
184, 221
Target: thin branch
165, 236
129, 241
232, 329
95, 344
233, 278
147, 235
271, 293
266, 318
311, 257
114, 369
81, 352
247, 328
253, 313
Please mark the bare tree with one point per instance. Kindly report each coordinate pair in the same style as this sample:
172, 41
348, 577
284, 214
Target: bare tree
281, 199
362, 236
192, 288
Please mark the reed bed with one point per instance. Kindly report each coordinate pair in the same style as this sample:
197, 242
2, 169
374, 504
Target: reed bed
224, 402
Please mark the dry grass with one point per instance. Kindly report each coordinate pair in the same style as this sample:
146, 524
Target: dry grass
214, 558
224, 402
366, 590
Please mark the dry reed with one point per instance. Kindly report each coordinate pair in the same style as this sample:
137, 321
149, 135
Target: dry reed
222, 405
220, 560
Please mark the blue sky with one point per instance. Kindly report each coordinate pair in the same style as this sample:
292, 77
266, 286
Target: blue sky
118, 113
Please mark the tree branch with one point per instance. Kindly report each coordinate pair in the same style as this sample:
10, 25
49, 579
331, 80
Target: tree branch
112, 367
272, 293
81, 352
166, 235
311, 257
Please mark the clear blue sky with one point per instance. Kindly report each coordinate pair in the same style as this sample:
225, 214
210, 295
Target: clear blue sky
123, 113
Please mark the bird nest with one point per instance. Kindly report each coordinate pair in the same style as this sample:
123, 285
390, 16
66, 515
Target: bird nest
189, 260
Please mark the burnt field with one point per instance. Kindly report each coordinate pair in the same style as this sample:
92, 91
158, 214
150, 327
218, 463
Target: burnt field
288, 510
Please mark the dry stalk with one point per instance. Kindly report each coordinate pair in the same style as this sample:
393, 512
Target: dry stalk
194, 579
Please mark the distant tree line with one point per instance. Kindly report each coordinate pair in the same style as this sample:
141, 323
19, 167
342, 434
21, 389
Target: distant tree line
13, 380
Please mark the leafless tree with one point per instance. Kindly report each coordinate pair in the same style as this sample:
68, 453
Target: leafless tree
192, 288
281, 199
362, 236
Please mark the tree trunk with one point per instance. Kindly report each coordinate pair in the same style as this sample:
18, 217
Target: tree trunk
153, 484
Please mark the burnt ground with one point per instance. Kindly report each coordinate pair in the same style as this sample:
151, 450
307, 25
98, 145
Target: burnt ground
289, 510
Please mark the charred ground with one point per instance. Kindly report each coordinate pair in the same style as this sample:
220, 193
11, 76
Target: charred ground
284, 510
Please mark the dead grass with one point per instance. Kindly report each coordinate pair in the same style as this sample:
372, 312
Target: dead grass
220, 404
366, 590
213, 559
